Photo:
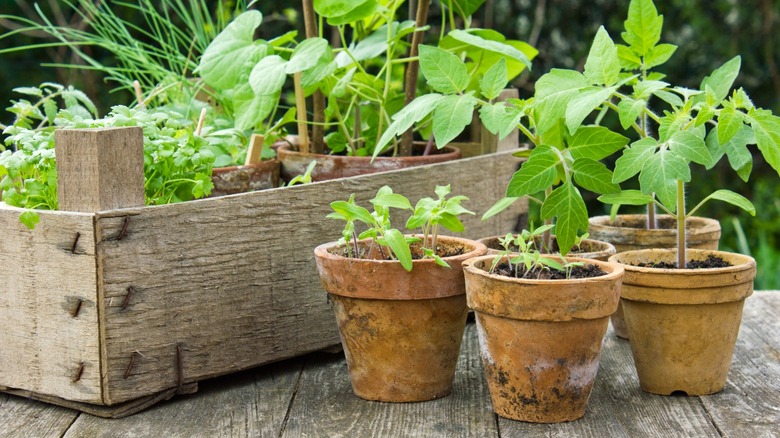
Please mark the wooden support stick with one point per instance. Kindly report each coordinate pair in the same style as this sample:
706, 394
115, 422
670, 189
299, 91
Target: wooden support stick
254, 153
201, 121
99, 169
139, 94
300, 107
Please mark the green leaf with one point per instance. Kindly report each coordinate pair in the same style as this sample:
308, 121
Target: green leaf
464, 8
767, 129
736, 149
554, 91
496, 117
267, 79
595, 142
629, 60
594, 176
397, 243
360, 12
451, 223
730, 121
392, 200
660, 174
471, 38
626, 197
29, 91
417, 110
443, 71
690, 146
233, 52
733, 199
307, 55
659, 55
536, 174
668, 97
566, 205
602, 66
633, 158
629, 111
494, 80
451, 116
722, 79
250, 108
335, 8
643, 26
352, 212
501, 205
584, 103
29, 218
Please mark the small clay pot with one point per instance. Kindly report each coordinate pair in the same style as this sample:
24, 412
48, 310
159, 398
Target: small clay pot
340, 166
589, 249
401, 331
240, 179
540, 340
683, 323
628, 232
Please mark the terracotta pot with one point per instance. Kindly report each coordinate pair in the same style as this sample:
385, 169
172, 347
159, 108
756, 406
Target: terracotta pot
540, 340
339, 166
589, 249
683, 323
401, 331
240, 179
627, 233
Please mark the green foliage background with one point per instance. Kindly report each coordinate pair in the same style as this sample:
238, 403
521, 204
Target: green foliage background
709, 32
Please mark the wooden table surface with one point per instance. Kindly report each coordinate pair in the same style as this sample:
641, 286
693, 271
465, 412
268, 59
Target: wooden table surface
310, 396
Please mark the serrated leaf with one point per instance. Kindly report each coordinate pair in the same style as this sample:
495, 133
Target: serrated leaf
566, 205
644, 89
495, 117
417, 110
595, 142
730, 121
633, 158
722, 79
736, 149
397, 243
629, 111
690, 146
629, 60
554, 91
233, 52
767, 130
584, 103
602, 66
494, 80
626, 197
451, 116
659, 175
443, 71
535, 175
643, 26
594, 176
734, 199
659, 54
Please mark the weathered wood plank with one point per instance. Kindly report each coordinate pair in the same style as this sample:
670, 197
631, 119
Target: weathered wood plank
326, 406
619, 408
749, 405
249, 404
230, 283
99, 169
48, 305
20, 417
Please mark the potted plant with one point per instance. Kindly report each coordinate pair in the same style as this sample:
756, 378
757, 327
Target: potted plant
672, 300
399, 300
583, 246
541, 320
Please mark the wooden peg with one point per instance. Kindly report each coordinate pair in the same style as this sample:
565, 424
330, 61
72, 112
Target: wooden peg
255, 150
300, 108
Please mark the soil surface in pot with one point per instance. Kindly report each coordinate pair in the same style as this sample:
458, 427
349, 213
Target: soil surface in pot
584, 248
710, 262
585, 271
377, 252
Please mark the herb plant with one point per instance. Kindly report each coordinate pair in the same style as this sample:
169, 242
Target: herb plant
429, 214
524, 257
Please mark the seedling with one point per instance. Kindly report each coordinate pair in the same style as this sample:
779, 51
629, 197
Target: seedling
524, 257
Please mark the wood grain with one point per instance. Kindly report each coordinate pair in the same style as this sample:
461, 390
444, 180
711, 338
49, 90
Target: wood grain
48, 305
326, 406
27, 418
99, 169
230, 282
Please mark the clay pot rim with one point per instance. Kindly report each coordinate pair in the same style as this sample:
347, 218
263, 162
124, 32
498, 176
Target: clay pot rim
323, 251
444, 152
608, 248
613, 271
692, 253
702, 224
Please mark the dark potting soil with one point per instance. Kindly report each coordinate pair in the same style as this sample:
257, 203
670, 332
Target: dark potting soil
710, 262
585, 271
374, 252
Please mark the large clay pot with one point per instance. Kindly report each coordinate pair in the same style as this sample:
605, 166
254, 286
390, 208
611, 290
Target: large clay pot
540, 340
588, 249
249, 178
401, 331
683, 323
339, 166
628, 232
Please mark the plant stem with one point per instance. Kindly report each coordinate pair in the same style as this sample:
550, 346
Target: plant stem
681, 250
318, 99
412, 72
652, 222
547, 236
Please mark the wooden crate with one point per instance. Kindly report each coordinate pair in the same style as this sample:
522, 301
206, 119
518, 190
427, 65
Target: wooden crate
114, 309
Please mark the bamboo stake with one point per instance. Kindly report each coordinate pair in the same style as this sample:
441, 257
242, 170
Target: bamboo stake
412, 72
318, 99
300, 107
254, 153
201, 122
139, 95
